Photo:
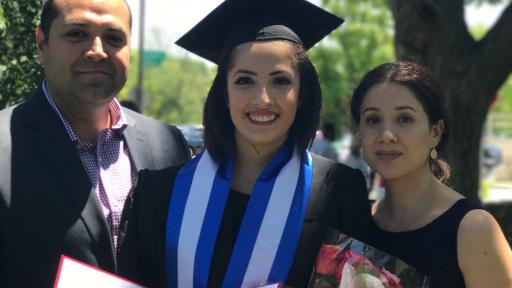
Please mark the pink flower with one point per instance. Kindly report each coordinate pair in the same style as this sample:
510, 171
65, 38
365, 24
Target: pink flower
392, 280
364, 266
333, 265
344, 258
327, 260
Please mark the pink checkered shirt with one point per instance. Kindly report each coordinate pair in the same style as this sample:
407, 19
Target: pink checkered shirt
107, 163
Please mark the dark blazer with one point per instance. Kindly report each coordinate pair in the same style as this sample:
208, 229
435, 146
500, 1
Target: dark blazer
47, 204
338, 200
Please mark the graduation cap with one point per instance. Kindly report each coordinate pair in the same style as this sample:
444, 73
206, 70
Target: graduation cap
239, 21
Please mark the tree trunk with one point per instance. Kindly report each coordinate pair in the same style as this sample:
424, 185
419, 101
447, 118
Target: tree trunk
433, 33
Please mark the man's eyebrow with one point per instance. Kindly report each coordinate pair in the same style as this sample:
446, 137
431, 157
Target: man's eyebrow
111, 27
76, 23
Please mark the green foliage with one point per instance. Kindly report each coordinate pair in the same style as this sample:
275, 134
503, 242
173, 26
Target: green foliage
19, 71
478, 31
2, 21
175, 90
364, 41
480, 2
504, 100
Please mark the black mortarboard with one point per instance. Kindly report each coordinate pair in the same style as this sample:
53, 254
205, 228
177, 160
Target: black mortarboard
238, 21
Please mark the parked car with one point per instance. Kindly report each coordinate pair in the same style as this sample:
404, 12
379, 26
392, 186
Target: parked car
492, 156
194, 135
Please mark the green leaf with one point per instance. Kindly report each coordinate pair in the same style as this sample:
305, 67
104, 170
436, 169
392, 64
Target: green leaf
175, 90
3, 25
361, 43
19, 71
480, 2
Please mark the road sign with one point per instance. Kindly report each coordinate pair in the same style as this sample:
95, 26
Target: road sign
153, 58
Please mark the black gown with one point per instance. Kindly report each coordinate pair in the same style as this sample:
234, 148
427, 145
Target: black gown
432, 249
338, 200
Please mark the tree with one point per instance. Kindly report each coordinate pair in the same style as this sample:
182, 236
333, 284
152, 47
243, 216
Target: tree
504, 100
177, 90
364, 41
434, 33
20, 73
2, 22
174, 91
502, 103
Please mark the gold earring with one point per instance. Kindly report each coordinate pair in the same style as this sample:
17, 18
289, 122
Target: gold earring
433, 154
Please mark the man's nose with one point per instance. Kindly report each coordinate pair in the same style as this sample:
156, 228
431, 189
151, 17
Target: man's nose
96, 52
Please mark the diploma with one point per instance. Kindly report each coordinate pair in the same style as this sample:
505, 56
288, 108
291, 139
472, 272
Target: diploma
75, 274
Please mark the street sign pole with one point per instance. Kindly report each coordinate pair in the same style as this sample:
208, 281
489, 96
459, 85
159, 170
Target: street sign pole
140, 70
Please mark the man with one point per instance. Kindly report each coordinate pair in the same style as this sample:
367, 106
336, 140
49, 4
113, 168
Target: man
323, 145
70, 153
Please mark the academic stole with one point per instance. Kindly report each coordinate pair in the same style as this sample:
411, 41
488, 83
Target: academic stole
269, 233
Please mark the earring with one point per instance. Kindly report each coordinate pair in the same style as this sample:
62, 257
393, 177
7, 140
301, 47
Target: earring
433, 154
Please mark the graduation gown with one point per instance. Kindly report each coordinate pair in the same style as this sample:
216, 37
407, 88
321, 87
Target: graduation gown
338, 200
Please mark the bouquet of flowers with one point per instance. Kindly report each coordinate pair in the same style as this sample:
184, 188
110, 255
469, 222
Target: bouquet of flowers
354, 264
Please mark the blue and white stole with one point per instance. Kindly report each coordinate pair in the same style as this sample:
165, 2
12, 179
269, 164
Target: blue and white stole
269, 233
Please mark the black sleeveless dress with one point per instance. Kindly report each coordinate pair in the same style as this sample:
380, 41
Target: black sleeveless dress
431, 249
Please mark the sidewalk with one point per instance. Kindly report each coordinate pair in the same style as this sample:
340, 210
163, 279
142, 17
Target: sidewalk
496, 192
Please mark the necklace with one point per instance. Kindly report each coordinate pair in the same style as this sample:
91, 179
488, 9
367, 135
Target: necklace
255, 149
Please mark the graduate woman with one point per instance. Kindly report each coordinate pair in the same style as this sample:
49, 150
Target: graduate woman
254, 207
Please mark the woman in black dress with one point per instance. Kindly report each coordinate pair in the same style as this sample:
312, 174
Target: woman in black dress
254, 207
398, 114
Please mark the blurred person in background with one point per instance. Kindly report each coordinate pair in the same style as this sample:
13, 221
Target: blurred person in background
130, 105
323, 144
355, 160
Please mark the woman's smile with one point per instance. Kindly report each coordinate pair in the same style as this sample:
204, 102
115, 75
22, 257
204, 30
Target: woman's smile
262, 117
387, 155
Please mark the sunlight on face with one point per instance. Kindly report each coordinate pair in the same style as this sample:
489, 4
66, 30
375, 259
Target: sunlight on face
87, 53
396, 136
263, 86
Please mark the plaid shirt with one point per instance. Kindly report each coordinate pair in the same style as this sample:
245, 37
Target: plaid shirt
107, 163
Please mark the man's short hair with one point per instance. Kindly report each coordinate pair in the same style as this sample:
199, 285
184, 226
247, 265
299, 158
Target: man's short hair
50, 12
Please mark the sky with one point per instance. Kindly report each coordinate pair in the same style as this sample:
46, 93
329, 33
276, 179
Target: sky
170, 19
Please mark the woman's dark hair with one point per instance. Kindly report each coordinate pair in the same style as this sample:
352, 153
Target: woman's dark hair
421, 82
218, 126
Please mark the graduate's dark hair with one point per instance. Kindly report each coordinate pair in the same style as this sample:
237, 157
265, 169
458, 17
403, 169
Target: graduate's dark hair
218, 126
50, 12
420, 81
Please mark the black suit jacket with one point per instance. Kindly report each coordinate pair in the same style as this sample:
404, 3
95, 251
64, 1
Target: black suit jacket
47, 204
338, 200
